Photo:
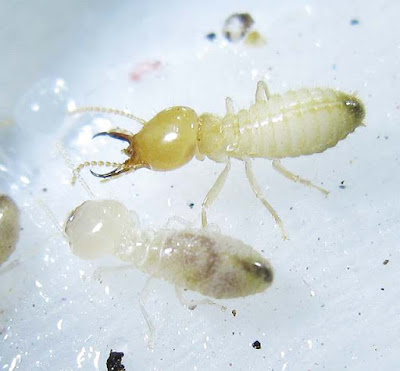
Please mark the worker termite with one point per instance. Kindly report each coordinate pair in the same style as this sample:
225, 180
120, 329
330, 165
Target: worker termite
294, 124
201, 260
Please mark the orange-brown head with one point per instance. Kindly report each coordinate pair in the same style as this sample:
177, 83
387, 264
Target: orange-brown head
166, 142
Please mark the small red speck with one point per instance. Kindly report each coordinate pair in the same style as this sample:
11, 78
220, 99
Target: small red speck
144, 68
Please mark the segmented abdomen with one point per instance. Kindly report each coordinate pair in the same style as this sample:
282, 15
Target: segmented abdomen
296, 123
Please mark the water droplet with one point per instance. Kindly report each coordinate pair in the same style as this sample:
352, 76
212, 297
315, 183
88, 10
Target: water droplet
43, 107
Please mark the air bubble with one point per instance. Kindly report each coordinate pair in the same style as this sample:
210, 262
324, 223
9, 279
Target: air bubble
42, 109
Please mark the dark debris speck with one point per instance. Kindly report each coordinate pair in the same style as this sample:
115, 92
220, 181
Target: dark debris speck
385, 261
236, 26
114, 361
191, 205
256, 345
211, 36
354, 22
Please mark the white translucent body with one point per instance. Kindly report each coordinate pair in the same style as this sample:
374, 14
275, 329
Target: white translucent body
197, 259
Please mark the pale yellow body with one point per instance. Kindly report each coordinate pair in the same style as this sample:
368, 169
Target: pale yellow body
296, 123
293, 124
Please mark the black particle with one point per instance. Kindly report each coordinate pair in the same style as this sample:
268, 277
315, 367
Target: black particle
385, 261
354, 22
342, 186
382, 289
211, 36
191, 205
256, 345
44, 189
114, 361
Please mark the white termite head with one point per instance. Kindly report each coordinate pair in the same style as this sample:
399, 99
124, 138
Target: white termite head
98, 228
9, 227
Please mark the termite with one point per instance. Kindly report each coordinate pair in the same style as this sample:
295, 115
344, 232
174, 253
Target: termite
201, 260
293, 124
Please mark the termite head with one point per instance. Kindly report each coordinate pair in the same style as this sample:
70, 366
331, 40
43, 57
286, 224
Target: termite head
166, 142
97, 228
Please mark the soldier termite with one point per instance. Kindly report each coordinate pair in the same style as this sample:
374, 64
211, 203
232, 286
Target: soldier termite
293, 124
201, 260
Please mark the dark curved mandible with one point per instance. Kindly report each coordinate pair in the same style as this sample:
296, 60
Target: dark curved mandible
114, 134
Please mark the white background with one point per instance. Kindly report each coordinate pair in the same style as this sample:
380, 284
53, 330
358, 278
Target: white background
333, 305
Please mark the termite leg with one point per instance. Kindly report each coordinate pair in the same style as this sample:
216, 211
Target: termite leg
229, 106
262, 92
259, 195
177, 220
214, 192
296, 178
107, 110
191, 304
142, 302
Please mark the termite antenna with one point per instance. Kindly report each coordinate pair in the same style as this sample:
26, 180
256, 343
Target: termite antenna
51, 216
106, 110
78, 169
71, 165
